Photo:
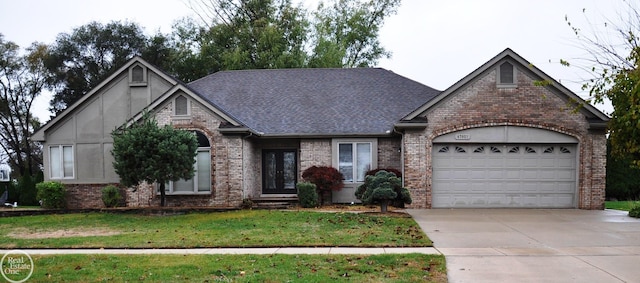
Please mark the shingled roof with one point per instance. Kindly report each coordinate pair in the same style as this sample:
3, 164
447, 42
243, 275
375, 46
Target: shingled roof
314, 102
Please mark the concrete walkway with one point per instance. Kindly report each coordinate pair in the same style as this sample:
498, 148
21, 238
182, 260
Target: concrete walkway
283, 250
535, 245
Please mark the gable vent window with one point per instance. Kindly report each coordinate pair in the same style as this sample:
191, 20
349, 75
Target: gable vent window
506, 75
181, 107
137, 76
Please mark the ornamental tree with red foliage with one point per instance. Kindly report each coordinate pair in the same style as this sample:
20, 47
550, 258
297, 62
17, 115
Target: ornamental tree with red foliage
325, 178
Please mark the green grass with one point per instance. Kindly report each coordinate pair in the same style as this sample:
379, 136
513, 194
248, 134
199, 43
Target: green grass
621, 205
245, 228
239, 268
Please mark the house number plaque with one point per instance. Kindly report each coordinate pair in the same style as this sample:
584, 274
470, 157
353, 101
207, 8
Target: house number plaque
463, 137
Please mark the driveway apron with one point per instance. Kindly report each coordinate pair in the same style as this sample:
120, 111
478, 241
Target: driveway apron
534, 245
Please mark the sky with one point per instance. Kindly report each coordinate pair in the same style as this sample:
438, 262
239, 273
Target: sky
432, 42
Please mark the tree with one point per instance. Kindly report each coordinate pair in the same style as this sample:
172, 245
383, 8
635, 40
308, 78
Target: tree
623, 179
613, 61
257, 34
81, 60
383, 188
146, 152
21, 81
346, 33
326, 179
251, 34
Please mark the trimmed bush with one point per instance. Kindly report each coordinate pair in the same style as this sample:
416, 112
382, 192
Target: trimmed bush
307, 194
111, 196
391, 170
635, 210
326, 179
51, 194
403, 194
383, 188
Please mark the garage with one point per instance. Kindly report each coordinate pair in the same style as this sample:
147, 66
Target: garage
508, 172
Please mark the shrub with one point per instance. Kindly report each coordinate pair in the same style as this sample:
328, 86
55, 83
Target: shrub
247, 203
635, 210
51, 194
383, 188
307, 194
403, 194
391, 170
326, 179
111, 196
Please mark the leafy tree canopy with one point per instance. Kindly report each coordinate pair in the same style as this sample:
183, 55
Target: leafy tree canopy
613, 56
80, 60
22, 78
146, 152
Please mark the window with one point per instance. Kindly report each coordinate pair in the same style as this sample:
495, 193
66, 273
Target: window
181, 106
61, 162
137, 75
479, 149
444, 149
507, 75
548, 150
514, 149
460, 149
201, 181
495, 149
354, 158
564, 150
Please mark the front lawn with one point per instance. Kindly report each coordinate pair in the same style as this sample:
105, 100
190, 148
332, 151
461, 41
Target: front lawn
621, 205
240, 268
245, 228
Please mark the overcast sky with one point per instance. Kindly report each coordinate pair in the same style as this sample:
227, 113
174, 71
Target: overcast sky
433, 42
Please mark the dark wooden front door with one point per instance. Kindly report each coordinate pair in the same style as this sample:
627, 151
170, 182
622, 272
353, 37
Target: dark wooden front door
279, 171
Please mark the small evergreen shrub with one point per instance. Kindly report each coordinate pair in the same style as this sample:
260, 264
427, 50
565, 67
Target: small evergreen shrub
403, 196
391, 170
111, 196
51, 194
247, 203
307, 194
383, 188
635, 210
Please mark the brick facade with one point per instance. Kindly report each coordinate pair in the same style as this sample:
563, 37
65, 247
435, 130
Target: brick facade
482, 104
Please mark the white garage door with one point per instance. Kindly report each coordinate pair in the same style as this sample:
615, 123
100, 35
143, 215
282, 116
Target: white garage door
504, 175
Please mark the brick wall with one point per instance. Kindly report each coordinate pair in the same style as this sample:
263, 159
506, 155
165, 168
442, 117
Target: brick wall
481, 104
314, 152
389, 153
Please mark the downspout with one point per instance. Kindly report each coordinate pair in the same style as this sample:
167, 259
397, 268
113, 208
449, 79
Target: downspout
401, 153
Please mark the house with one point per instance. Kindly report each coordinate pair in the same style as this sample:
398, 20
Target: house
506, 135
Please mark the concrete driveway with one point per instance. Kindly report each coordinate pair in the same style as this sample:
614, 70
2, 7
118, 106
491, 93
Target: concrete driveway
534, 245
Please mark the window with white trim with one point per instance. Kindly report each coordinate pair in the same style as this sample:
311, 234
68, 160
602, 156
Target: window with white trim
61, 162
201, 181
353, 158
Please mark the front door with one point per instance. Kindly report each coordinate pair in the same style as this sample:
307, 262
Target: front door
279, 171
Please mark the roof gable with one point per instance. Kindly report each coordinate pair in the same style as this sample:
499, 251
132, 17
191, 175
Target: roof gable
314, 102
39, 135
594, 115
